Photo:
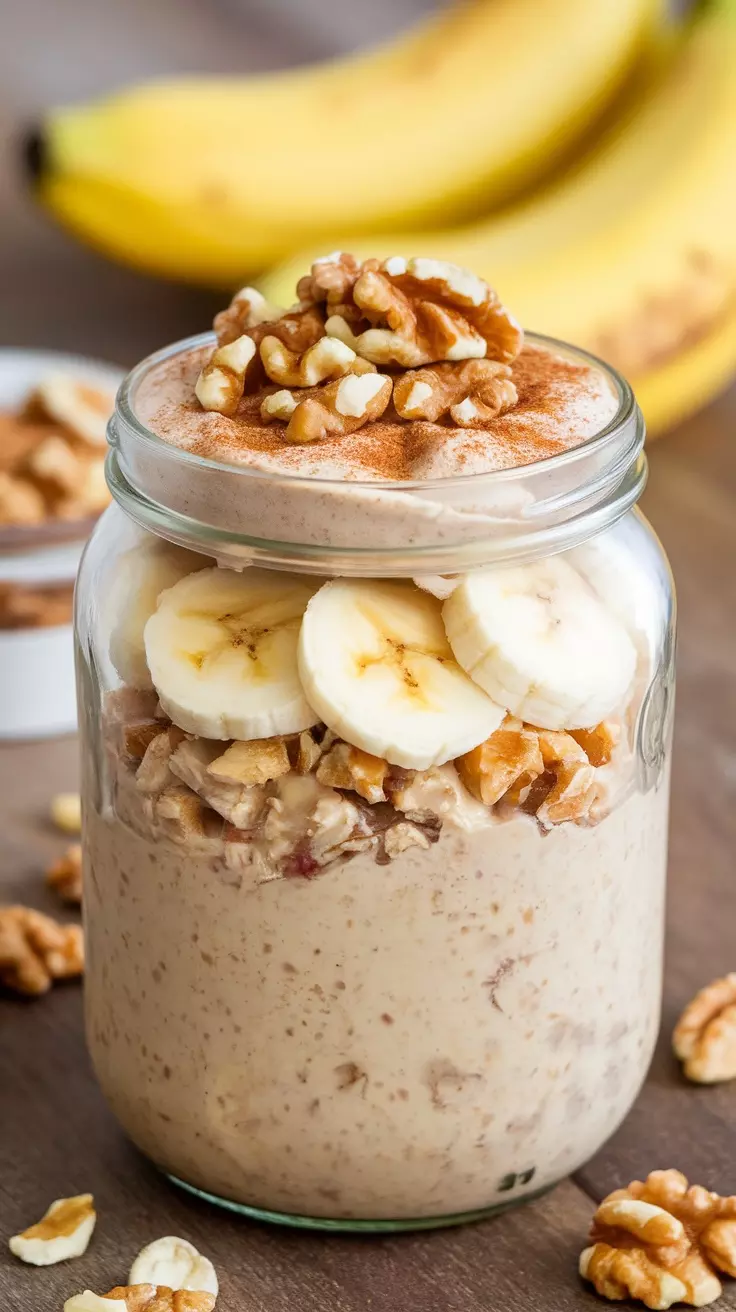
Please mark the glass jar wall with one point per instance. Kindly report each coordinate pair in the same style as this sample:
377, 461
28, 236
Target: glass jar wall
325, 984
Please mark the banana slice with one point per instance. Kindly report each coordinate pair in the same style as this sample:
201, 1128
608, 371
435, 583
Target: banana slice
541, 643
375, 663
77, 405
221, 649
143, 574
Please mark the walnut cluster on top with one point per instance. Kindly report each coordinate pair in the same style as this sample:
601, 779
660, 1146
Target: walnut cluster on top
424, 336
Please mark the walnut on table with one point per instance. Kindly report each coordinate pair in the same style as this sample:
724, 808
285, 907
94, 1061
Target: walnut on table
142, 1298
35, 950
661, 1242
65, 875
704, 1038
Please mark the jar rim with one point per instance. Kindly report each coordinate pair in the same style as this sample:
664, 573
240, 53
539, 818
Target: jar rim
625, 409
376, 528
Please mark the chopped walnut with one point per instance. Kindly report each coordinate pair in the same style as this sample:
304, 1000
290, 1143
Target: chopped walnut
308, 753
328, 358
174, 1263
65, 875
572, 792
401, 836
661, 1242
335, 409
181, 812
35, 950
63, 1232
472, 393
239, 804
142, 1298
704, 1038
511, 756
221, 383
137, 736
349, 767
598, 743
20, 501
412, 312
82, 409
254, 762
247, 309
154, 772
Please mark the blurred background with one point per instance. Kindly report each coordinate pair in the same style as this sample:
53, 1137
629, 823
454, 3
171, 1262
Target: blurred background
578, 154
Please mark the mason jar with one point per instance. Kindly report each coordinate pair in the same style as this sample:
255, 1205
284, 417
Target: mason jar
390, 998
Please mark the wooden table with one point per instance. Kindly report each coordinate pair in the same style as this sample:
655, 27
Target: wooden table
57, 1137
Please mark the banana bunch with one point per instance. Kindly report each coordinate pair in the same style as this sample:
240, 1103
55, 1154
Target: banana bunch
207, 180
631, 252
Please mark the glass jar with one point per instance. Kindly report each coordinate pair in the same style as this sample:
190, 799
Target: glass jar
392, 1035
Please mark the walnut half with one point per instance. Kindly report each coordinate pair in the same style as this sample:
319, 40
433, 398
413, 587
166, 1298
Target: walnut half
662, 1242
704, 1038
35, 950
141, 1298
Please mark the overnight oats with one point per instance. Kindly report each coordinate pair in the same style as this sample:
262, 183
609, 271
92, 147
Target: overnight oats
375, 669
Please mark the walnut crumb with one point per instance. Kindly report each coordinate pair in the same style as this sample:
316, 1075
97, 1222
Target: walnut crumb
65, 875
35, 950
661, 1242
704, 1038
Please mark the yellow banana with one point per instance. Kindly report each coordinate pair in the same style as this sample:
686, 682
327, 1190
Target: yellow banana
632, 253
205, 179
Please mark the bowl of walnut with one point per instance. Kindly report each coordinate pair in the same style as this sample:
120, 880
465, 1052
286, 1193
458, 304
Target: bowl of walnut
53, 416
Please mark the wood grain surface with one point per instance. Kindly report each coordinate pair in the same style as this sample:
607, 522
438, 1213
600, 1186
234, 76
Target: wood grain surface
56, 1136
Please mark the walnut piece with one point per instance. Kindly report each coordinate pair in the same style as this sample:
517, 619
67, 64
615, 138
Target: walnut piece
182, 813
65, 875
572, 792
308, 753
598, 743
254, 762
344, 766
175, 1264
332, 410
221, 383
472, 393
704, 1038
411, 312
247, 309
328, 358
35, 950
66, 812
142, 1298
401, 836
510, 756
63, 1232
661, 1242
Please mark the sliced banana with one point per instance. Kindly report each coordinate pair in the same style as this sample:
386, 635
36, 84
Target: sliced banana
221, 648
375, 663
141, 575
77, 405
539, 641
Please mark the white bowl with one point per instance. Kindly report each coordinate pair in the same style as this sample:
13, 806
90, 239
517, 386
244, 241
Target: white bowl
37, 690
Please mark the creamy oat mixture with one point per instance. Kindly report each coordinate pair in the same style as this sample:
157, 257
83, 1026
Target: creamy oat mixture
374, 883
